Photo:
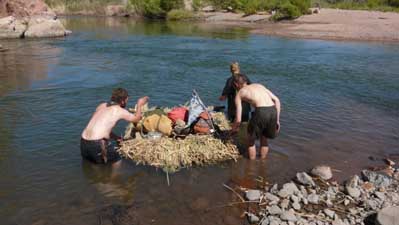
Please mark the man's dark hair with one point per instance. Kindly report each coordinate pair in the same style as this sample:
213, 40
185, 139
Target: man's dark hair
118, 95
240, 78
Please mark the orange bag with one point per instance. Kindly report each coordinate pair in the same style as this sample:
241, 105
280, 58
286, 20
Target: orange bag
178, 113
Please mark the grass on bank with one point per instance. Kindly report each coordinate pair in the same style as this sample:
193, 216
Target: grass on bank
377, 5
95, 6
179, 14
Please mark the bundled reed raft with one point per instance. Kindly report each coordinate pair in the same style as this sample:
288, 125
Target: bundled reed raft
171, 154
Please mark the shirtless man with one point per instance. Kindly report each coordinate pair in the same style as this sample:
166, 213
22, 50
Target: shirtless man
95, 137
265, 121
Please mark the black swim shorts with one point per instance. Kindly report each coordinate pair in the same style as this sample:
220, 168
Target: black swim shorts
263, 122
91, 150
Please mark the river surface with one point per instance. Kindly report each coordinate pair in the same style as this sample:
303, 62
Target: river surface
340, 105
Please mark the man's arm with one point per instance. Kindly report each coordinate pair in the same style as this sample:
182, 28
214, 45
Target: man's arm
237, 121
134, 118
276, 101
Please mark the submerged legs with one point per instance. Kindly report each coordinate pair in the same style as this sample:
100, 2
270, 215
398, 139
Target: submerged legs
264, 147
251, 147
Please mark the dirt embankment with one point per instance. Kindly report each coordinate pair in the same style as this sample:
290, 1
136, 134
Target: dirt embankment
332, 24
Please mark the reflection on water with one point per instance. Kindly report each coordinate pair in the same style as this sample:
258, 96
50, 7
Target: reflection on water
25, 63
340, 104
126, 26
110, 181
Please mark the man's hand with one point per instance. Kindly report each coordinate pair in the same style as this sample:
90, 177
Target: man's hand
119, 141
235, 127
278, 126
142, 101
222, 98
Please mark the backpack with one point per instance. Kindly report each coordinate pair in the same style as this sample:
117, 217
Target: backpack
203, 125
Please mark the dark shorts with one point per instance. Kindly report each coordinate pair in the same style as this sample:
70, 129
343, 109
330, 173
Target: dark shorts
91, 150
263, 122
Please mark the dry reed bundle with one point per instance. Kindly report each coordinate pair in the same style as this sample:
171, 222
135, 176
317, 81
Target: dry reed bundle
173, 154
220, 119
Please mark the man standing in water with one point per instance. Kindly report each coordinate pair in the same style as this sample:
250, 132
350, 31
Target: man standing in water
94, 143
265, 121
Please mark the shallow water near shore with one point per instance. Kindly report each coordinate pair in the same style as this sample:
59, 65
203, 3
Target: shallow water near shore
340, 105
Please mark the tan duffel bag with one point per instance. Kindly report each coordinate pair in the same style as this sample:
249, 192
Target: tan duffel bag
160, 123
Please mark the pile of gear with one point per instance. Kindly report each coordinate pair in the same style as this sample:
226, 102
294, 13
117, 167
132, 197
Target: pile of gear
179, 137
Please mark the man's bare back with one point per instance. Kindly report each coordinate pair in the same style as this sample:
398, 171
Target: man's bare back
101, 123
94, 142
105, 118
257, 95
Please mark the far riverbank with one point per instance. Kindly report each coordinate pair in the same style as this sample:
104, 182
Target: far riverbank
329, 24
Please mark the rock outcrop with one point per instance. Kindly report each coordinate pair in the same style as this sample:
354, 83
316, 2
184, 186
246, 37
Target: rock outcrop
39, 27
29, 18
25, 8
10, 27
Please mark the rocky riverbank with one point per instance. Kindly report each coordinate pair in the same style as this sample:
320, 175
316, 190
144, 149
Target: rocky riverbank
315, 199
29, 19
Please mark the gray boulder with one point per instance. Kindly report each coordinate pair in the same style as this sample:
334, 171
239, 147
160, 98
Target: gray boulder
353, 192
329, 213
288, 216
44, 27
378, 179
305, 179
288, 189
274, 210
271, 197
388, 216
10, 27
253, 195
313, 198
296, 205
352, 185
284, 203
338, 222
252, 218
324, 172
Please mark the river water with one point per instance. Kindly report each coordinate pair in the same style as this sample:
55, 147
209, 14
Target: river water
340, 105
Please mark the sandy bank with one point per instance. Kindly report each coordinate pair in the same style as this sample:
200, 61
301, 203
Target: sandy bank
332, 24
338, 25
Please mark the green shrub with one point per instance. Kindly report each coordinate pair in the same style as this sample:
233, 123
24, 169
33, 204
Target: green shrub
286, 11
394, 3
197, 5
302, 5
148, 8
179, 14
251, 7
168, 5
224, 4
